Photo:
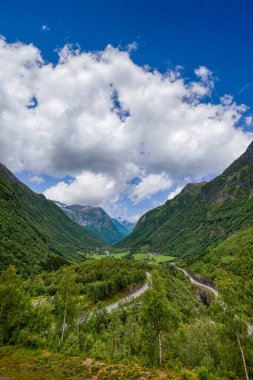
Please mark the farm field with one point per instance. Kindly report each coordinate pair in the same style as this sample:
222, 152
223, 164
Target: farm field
155, 259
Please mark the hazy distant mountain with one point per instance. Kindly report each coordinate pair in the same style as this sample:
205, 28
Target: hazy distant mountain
123, 225
96, 220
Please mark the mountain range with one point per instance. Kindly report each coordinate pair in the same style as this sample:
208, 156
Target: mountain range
97, 221
34, 229
201, 216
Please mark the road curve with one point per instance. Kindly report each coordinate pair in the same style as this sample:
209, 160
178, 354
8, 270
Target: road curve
132, 296
193, 281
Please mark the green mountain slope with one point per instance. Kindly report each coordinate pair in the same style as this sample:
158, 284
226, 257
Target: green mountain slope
230, 265
201, 216
33, 228
234, 256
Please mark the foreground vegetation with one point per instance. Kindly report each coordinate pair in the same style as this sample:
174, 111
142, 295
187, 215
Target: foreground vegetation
24, 363
51, 323
230, 266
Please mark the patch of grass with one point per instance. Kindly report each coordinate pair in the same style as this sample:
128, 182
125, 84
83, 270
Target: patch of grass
23, 364
162, 259
152, 259
95, 256
140, 256
119, 255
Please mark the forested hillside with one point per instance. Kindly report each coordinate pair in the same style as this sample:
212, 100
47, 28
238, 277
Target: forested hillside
32, 229
166, 334
201, 216
230, 266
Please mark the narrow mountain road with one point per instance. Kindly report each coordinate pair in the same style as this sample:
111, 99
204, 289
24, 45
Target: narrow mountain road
195, 282
130, 297
124, 300
216, 294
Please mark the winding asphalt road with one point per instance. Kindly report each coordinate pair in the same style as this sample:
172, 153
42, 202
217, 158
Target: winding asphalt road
216, 294
193, 281
132, 296
145, 287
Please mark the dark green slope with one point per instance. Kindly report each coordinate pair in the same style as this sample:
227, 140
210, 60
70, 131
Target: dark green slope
230, 265
33, 228
202, 215
234, 256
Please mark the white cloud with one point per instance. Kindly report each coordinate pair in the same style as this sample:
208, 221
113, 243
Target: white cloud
175, 192
203, 72
92, 188
37, 179
45, 28
149, 186
132, 46
249, 121
102, 119
133, 218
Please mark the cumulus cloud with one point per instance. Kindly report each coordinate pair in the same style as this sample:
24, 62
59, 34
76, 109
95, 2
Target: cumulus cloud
93, 188
37, 179
150, 185
249, 121
172, 194
102, 119
204, 73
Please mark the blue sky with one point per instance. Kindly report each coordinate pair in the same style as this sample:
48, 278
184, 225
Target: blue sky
215, 34
167, 34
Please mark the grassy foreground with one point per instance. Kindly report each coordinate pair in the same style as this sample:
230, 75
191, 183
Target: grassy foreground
23, 364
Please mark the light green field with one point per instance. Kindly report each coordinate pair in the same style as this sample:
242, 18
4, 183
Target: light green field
140, 256
152, 259
162, 259
95, 256
155, 259
119, 255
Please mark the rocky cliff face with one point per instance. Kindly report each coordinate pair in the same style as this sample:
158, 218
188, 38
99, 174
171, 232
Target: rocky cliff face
124, 226
96, 220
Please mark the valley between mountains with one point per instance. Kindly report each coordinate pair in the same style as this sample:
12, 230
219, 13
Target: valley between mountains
87, 296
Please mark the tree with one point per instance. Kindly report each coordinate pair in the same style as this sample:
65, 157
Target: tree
14, 305
234, 328
66, 300
131, 334
157, 318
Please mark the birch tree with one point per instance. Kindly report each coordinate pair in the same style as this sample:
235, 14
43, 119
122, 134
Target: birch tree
66, 301
157, 318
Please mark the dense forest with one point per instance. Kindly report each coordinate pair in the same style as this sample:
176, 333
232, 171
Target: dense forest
230, 266
168, 329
